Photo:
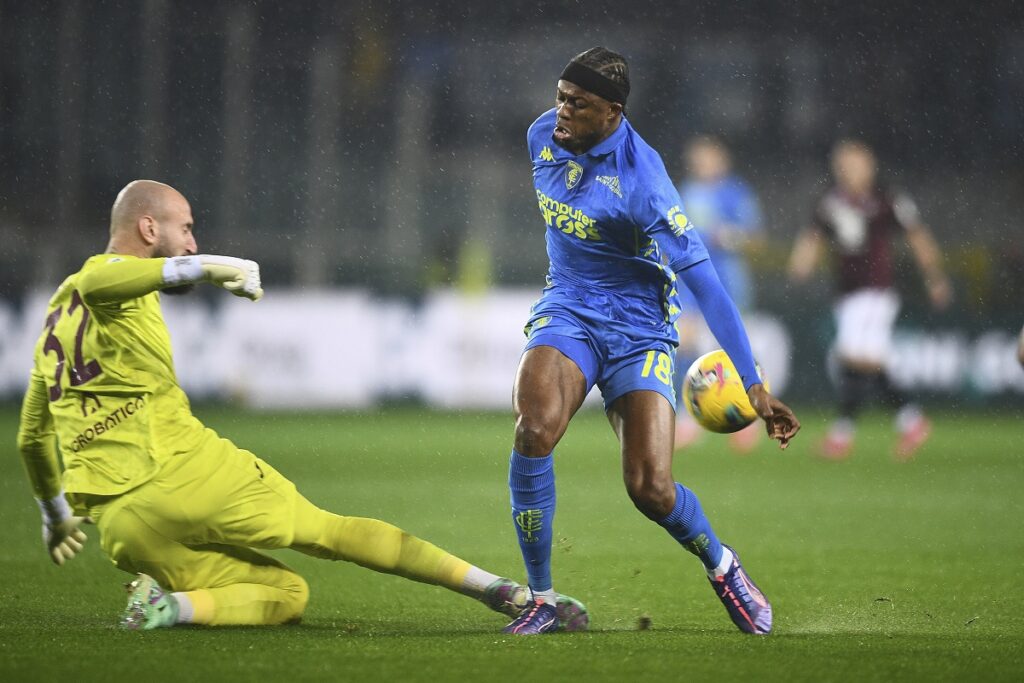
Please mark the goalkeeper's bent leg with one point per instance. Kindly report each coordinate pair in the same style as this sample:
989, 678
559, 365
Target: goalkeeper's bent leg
259, 590
383, 547
216, 584
245, 604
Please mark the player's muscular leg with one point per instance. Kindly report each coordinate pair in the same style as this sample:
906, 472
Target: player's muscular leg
643, 421
549, 389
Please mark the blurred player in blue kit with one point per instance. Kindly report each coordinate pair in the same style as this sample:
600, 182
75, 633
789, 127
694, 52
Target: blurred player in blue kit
726, 212
619, 242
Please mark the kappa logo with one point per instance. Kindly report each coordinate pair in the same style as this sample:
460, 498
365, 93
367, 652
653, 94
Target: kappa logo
546, 155
573, 173
612, 183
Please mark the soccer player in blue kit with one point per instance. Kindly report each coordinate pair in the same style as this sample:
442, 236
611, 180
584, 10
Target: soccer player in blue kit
617, 239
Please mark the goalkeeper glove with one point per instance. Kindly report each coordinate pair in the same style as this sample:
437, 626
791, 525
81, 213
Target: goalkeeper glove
61, 533
241, 277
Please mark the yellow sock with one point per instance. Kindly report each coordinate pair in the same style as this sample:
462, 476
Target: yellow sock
383, 547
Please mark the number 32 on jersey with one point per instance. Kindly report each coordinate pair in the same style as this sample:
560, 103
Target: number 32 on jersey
80, 371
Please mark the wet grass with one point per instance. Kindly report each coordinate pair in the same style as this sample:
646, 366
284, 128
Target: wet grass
877, 570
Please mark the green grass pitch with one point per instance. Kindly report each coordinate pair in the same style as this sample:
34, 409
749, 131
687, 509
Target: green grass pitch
877, 570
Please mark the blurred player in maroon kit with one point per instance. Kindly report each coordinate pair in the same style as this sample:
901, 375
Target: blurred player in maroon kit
858, 220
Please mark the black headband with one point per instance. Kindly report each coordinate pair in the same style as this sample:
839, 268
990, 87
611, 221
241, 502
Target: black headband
595, 82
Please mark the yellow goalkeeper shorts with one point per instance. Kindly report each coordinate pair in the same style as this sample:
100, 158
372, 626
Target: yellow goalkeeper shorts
204, 501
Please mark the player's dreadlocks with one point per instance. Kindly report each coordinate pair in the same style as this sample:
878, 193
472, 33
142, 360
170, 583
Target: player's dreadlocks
609, 64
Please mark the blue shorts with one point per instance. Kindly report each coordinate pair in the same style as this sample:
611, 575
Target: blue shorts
619, 344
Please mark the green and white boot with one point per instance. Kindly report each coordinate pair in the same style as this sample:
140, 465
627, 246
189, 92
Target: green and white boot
149, 605
506, 596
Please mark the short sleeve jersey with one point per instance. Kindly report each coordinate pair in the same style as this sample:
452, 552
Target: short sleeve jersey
114, 397
860, 231
614, 219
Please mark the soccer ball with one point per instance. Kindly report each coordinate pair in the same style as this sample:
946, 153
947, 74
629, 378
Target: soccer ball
714, 394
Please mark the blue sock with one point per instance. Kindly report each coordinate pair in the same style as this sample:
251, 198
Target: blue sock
532, 482
688, 525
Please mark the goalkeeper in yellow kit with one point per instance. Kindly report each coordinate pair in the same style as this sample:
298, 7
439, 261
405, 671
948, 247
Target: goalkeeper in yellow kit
175, 504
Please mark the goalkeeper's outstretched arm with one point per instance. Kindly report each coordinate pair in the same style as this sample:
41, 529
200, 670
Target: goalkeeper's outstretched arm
37, 445
131, 278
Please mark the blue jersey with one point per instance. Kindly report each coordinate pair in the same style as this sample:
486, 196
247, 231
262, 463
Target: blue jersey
616, 237
615, 222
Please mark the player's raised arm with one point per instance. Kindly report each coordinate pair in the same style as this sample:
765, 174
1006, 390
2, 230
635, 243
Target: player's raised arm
129, 278
152, 247
37, 446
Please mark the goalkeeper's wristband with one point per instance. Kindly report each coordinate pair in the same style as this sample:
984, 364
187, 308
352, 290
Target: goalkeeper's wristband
181, 270
54, 510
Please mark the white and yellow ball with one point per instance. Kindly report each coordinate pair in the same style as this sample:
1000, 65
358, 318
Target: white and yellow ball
713, 393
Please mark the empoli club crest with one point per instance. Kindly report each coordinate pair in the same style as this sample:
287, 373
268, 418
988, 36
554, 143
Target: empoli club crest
573, 173
531, 523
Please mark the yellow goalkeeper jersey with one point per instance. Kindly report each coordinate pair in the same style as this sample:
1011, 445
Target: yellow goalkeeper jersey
103, 383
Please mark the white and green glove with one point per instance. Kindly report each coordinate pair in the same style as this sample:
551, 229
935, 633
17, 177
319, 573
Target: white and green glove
239, 276
61, 533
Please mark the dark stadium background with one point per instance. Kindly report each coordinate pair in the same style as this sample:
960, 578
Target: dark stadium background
381, 144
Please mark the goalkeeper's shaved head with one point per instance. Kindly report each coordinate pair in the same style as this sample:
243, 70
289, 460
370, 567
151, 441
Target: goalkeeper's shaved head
142, 198
151, 219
